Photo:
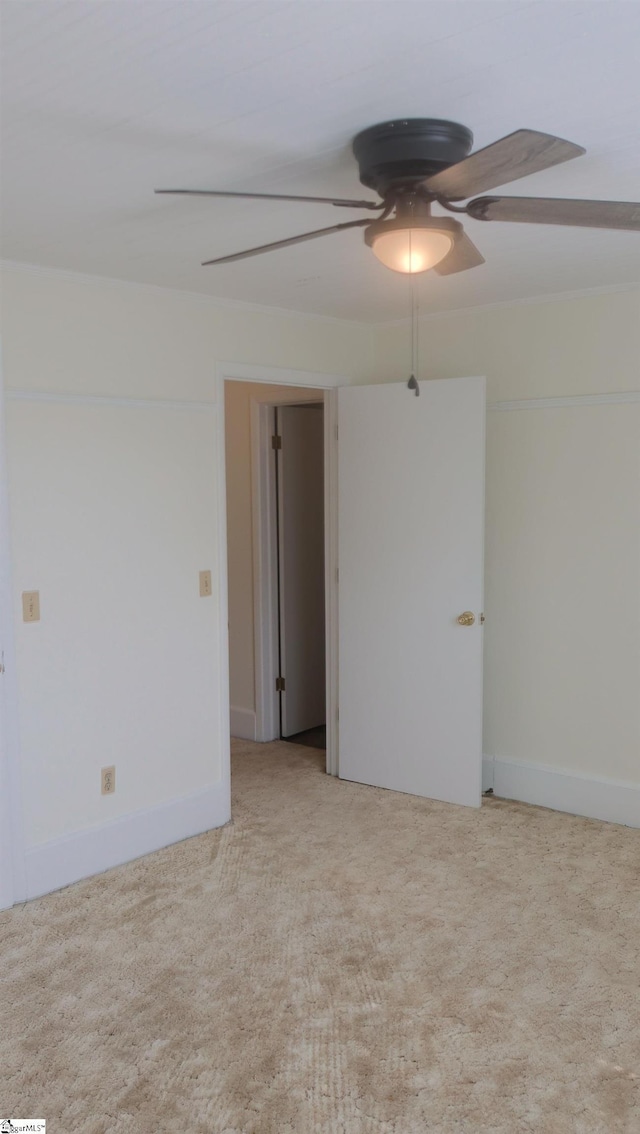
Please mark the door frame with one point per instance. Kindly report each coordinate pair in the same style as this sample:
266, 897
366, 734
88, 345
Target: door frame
263, 561
264, 508
265, 572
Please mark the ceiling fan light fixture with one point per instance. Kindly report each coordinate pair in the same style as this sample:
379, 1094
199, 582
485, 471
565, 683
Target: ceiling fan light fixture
412, 245
411, 250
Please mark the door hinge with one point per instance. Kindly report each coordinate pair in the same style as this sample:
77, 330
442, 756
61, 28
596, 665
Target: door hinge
336, 432
280, 688
276, 441
337, 574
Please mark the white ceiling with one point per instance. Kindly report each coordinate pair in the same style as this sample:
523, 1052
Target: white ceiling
103, 101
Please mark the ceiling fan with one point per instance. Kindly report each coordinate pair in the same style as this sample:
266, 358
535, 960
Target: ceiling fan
413, 162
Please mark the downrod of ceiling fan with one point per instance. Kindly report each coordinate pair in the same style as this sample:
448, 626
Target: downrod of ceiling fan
407, 201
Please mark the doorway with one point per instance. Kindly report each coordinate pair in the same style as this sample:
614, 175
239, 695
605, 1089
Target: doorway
276, 476
299, 519
404, 650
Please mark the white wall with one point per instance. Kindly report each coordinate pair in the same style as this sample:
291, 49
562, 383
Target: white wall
585, 345
563, 588
114, 509
114, 448
562, 637
238, 399
122, 667
90, 336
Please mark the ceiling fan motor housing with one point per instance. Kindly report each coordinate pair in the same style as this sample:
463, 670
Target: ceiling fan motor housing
407, 150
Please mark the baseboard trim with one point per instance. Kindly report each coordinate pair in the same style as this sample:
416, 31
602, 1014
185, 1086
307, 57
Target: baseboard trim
597, 797
243, 723
487, 773
60, 862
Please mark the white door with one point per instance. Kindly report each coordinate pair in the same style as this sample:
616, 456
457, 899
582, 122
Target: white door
410, 515
302, 567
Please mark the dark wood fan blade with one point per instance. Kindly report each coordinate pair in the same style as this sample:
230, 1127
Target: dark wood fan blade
340, 202
517, 155
549, 210
463, 255
285, 243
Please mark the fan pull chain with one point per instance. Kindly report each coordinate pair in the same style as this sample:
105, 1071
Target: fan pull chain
416, 319
415, 345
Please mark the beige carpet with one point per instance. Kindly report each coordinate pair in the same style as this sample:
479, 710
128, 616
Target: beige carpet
341, 960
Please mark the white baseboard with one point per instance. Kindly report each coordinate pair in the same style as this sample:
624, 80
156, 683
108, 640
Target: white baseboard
487, 772
53, 865
597, 797
243, 723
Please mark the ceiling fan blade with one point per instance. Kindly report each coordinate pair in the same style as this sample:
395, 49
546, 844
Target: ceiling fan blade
463, 255
517, 155
559, 210
285, 243
341, 202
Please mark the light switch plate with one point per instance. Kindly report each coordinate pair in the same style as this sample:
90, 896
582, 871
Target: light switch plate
205, 584
31, 606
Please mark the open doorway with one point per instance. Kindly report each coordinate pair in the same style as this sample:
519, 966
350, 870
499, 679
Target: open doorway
404, 617
299, 520
275, 475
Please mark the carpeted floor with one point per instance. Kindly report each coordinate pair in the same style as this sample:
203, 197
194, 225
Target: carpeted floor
340, 960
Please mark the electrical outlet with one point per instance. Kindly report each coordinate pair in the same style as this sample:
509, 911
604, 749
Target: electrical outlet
205, 584
31, 606
108, 780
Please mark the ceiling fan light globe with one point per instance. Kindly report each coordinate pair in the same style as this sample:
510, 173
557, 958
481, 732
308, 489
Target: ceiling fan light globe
411, 250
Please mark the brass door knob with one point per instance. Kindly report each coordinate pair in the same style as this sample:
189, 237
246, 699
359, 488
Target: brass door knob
467, 618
